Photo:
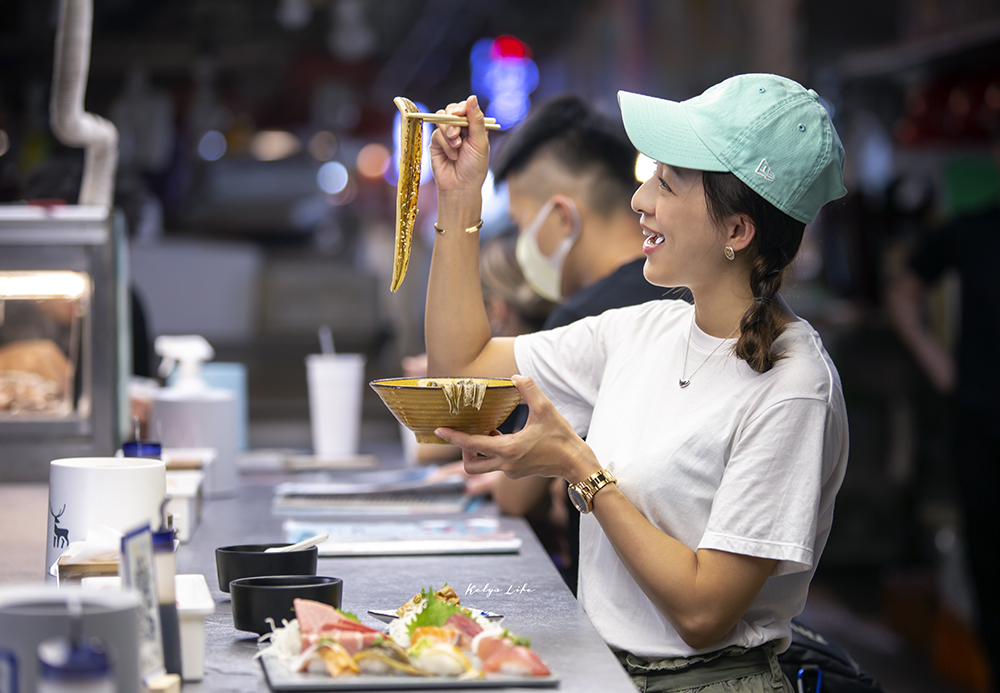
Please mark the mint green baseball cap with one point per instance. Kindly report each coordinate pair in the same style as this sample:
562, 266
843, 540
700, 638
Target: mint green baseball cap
769, 131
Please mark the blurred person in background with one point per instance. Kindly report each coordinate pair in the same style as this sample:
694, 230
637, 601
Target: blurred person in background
570, 173
970, 246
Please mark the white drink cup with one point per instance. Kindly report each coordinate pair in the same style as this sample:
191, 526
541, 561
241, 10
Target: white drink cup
336, 386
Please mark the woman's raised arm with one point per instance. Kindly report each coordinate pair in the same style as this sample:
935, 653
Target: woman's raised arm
456, 328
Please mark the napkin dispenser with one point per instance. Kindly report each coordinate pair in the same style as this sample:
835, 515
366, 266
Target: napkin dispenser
31, 614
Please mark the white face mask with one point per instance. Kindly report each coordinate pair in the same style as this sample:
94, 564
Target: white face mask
544, 273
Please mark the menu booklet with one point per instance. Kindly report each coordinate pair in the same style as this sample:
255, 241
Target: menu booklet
389, 492
469, 535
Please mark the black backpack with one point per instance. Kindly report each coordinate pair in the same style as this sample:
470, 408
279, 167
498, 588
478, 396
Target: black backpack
816, 665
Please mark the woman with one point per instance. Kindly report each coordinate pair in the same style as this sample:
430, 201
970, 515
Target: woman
700, 536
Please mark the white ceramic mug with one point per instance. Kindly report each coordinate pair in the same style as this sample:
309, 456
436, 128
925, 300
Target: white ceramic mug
336, 386
120, 492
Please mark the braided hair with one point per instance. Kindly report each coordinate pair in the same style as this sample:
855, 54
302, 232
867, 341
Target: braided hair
772, 249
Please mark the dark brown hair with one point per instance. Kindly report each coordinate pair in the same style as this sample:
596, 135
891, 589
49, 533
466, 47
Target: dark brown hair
581, 140
774, 245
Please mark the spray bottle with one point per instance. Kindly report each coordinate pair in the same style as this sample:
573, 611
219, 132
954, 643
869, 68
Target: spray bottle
190, 414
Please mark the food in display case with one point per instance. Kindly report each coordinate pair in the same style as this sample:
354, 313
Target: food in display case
42, 319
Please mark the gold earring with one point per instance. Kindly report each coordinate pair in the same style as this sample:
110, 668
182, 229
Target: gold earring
730, 254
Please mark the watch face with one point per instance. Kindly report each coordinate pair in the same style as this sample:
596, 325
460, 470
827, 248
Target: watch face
577, 499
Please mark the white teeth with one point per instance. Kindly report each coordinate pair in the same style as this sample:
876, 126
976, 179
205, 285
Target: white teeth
653, 239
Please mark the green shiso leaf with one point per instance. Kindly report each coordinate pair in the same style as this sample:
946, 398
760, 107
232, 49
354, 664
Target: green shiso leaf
435, 613
349, 615
515, 639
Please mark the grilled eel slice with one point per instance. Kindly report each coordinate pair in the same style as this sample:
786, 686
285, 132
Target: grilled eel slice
407, 189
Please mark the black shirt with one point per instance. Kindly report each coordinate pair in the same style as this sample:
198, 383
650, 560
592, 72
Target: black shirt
971, 246
626, 286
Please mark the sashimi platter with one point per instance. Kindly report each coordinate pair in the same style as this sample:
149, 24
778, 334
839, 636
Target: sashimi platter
434, 642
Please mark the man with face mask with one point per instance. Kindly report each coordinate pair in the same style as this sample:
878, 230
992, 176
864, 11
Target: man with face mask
570, 172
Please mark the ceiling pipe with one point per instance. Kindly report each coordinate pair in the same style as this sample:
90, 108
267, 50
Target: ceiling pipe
72, 125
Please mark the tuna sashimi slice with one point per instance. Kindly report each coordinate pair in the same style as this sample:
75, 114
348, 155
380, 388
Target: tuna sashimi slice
315, 616
516, 661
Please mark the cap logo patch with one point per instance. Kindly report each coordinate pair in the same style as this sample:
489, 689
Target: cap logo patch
764, 170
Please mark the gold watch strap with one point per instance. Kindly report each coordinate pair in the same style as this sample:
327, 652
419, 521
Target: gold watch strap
595, 482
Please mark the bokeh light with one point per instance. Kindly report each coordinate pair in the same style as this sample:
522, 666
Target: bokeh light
644, 168
503, 72
323, 145
332, 177
372, 160
4, 142
212, 145
274, 145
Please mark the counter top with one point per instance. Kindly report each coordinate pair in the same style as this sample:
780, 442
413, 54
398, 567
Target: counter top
524, 587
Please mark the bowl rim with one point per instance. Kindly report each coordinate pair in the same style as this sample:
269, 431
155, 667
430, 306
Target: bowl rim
317, 581
239, 550
385, 382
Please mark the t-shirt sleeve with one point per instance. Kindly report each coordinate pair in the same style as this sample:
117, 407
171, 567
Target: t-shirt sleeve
567, 364
777, 484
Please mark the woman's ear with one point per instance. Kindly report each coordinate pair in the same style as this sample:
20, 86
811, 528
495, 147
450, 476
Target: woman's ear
740, 232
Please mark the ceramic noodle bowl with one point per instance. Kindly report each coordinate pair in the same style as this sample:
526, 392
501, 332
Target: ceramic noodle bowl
423, 408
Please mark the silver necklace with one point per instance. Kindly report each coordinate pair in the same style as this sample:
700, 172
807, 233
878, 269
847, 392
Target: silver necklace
684, 382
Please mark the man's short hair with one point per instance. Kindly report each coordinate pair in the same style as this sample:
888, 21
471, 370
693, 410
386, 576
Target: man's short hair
583, 141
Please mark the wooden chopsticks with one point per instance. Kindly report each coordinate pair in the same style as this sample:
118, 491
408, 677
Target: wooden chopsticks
445, 119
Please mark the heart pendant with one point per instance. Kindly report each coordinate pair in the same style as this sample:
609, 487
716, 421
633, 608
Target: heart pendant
683, 383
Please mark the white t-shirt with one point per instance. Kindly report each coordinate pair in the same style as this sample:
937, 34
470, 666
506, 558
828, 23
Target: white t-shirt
738, 461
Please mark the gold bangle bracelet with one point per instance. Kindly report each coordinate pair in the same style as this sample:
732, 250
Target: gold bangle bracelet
471, 229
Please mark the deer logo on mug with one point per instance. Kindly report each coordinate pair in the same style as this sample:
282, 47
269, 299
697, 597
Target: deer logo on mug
60, 535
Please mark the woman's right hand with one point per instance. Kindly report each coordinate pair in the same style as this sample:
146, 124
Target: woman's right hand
460, 157
546, 446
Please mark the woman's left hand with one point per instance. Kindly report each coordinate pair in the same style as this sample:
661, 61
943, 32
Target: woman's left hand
546, 446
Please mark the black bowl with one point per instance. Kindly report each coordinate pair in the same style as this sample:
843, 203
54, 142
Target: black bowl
249, 560
257, 598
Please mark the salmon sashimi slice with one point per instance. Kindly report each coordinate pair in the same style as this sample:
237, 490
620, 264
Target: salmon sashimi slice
516, 661
448, 636
489, 645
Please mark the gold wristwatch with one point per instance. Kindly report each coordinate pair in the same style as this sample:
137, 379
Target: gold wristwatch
582, 494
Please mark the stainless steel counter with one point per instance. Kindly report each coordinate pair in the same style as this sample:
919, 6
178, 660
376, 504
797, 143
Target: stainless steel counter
531, 595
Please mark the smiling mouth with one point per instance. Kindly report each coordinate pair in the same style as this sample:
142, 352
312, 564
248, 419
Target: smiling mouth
652, 238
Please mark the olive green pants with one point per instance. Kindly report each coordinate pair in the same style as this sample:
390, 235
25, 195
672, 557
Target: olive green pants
731, 670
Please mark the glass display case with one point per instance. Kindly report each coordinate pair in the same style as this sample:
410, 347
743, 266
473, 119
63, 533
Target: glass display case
64, 354
42, 317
